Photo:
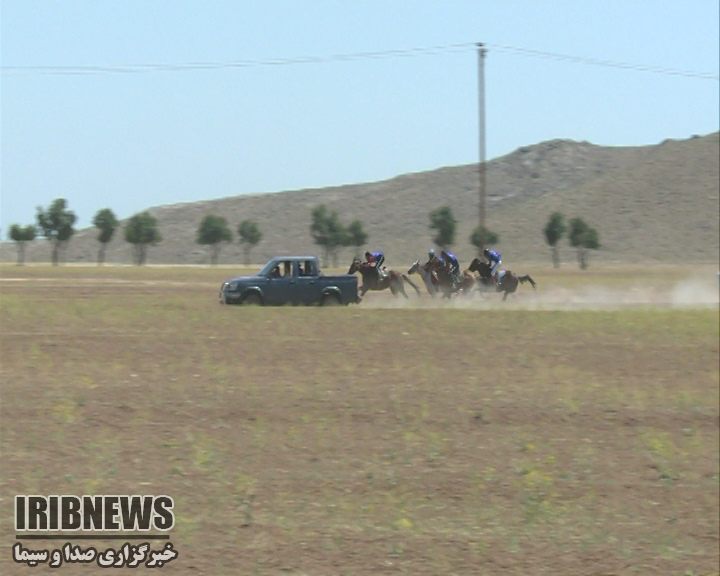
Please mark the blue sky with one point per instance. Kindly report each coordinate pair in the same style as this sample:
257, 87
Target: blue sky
101, 103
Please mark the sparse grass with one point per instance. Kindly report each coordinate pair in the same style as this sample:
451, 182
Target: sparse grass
361, 441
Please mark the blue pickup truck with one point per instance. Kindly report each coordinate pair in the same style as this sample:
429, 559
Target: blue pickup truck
294, 280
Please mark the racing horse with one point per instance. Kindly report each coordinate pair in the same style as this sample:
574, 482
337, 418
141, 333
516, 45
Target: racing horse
371, 280
466, 280
507, 280
429, 280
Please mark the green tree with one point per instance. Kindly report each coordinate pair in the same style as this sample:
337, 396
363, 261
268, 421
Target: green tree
212, 231
554, 230
141, 231
442, 220
320, 230
56, 224
357, 236
329, 232
250, 236
584, 238
107, 223
339, 237
21, 235
483, 237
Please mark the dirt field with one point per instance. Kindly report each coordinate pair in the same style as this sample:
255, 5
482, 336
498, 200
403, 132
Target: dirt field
572, 431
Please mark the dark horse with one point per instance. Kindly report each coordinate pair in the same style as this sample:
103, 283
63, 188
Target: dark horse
466, 280
508, 282
371, 280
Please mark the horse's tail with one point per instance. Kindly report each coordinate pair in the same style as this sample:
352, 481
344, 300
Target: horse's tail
417, 288
528, 278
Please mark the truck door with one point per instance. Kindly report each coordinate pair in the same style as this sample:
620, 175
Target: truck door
307, 290
281, 286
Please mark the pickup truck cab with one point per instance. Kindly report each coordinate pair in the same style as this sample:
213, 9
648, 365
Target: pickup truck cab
294, 280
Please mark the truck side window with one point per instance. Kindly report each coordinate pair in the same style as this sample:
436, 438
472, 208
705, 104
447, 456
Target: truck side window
309, 268
288, 269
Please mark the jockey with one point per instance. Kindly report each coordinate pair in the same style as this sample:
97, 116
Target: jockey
494, 258
452, 264
376, 259
431, 258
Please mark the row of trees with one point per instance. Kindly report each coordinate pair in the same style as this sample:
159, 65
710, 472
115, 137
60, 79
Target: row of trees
444, 223
582, 237
214, 230
331, 234
56, 223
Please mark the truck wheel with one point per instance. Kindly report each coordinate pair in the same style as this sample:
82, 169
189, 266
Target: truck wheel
330, 300
252, 299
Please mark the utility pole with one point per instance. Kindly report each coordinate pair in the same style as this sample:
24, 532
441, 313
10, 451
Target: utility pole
481, 122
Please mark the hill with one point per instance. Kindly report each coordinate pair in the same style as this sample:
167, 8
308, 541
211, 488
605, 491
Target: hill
650, 204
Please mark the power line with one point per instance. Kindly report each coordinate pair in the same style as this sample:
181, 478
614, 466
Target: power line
605, 63
402, 53
191, 66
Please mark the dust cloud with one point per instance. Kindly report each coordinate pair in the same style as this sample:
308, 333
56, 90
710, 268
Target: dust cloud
693, 293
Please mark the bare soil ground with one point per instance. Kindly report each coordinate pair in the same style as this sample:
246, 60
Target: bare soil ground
574, 431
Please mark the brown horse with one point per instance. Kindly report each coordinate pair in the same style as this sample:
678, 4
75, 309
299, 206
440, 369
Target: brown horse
371, 279
508, 282
466, 280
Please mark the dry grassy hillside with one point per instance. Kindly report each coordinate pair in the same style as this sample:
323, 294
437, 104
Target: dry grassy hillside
651, 204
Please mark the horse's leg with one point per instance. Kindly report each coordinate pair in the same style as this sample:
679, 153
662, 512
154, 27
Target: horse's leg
431, 288
527, 278
398, 286
404, 278
505, 296
487, 287
467, 286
